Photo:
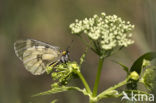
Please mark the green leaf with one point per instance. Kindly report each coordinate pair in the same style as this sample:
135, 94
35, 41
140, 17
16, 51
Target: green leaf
54, 101
148, 78
125, 68
137, 65
49, 69
58, 90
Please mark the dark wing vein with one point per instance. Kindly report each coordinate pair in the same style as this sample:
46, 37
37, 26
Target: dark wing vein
33, 52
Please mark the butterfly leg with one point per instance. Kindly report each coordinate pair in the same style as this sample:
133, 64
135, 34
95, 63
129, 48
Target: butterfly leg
53, 64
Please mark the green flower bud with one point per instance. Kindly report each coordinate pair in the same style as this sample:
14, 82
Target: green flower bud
134, 75
62, 73
48, 69
54, 75
146, 63
54, 85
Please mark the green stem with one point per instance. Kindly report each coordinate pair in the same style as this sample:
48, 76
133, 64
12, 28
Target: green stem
96, 84
84, 83
92, 102
107, 92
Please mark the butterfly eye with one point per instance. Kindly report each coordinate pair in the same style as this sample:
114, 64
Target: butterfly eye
64, 53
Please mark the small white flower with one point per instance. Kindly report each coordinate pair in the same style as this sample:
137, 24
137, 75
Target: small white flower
109, 31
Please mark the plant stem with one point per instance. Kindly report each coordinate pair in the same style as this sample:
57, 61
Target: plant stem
92, 102
96, 84
107, 92
84, 83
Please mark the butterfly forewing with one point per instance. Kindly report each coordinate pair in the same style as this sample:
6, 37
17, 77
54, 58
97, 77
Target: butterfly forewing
36, 55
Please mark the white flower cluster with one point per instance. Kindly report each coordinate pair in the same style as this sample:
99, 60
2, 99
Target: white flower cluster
110, 31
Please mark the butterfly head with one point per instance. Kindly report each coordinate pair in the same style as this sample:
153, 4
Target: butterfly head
65, 56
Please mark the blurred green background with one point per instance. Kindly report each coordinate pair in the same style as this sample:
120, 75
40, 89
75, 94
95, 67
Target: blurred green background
48, 21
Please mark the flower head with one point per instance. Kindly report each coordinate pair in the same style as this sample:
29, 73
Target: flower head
107, 32
62, 73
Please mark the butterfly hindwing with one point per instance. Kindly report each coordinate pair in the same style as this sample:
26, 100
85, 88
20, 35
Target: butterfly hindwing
36, 55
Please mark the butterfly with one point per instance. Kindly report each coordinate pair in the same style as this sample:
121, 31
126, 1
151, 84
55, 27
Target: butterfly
37, 55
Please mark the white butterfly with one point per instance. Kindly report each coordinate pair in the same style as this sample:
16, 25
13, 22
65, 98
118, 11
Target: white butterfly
37, 55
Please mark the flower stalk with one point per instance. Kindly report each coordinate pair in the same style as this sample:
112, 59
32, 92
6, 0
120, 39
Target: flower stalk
112, 90
96, 84
84, 82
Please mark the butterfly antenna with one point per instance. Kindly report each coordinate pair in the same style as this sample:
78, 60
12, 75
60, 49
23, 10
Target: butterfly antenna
71, 44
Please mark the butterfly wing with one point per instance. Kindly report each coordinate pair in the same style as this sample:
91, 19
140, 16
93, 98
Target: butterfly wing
36, 55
